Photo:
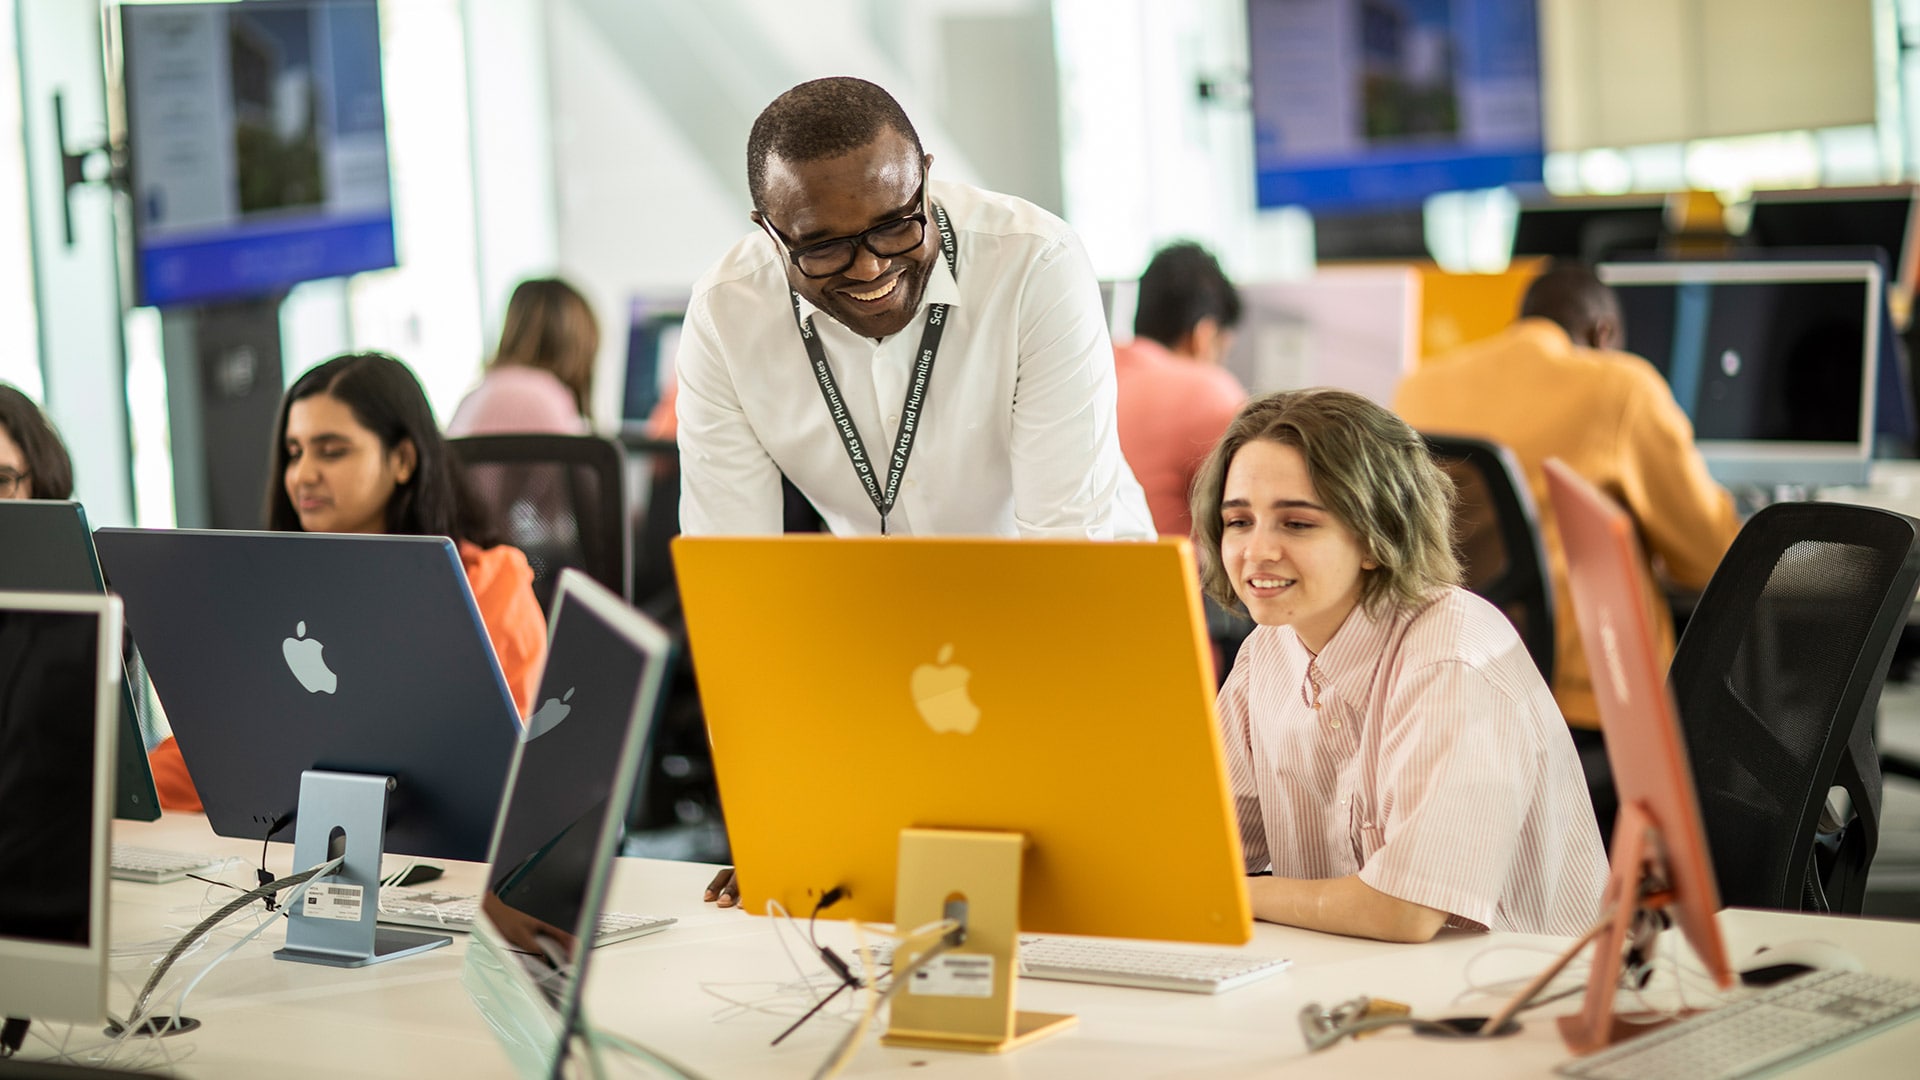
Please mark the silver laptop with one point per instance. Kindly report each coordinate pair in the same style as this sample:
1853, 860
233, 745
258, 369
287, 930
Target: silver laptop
562, 820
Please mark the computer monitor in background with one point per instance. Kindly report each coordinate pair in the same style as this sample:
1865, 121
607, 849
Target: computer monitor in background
1026, 726
49, 548
560, 822
1774, 362
1661, 865
653, 339
1590, 230
1355, 327
59, 709
257, 142
1365, 106
1399, 235
319, 681
1879, 217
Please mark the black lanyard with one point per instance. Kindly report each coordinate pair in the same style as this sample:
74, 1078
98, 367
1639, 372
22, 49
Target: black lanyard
916, 390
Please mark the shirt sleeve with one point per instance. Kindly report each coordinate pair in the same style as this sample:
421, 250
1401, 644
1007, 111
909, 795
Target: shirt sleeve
729, 484
516, 627
1236, 735
1459, 768
170, 779
1687, 518
1069, 478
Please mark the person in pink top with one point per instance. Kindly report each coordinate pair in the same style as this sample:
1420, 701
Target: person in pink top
540, 380
1174, 397
1397, 763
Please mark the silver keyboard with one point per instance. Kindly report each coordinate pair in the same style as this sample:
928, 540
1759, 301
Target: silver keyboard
1789, 1023
157, 867
455, 914
1148, 967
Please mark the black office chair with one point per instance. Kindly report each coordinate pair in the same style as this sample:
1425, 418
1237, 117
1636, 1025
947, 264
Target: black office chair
561, 499
1777, 679
1498, 533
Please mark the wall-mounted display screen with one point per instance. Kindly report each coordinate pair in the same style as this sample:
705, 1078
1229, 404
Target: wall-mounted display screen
257, 133
1369, 104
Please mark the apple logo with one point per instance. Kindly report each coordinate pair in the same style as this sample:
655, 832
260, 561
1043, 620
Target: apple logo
549, 714
306, 663
940, 693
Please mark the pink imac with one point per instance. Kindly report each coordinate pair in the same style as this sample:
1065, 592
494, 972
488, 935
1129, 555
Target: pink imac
1659, 857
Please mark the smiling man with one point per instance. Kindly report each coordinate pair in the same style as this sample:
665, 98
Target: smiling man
918, 357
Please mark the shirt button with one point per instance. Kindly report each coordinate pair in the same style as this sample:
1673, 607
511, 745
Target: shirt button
893, 419
1334, 723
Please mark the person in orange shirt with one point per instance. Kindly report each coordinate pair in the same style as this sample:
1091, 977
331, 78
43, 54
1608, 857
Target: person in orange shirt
356, 450
1554, 385
1174, 397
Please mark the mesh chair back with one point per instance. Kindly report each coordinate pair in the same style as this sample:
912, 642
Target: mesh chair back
561, 499
1777, 678
1498, 535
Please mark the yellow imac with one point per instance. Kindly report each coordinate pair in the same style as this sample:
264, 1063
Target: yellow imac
1022, 731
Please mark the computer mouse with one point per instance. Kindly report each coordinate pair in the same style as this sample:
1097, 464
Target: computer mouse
417, 874
1771, 964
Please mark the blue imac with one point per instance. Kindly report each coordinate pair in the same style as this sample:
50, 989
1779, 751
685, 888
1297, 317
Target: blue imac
1774, 362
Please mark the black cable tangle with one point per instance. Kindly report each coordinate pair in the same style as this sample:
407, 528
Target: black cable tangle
137, 1015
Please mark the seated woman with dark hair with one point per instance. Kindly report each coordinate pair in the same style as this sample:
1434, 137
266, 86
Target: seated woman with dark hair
33, 460
1396, 761
356, 450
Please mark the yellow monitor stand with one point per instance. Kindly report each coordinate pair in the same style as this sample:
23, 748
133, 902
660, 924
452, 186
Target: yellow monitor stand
964, 998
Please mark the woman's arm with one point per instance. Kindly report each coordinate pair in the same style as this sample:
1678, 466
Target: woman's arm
1344, 905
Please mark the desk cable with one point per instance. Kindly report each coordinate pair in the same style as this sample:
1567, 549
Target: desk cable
934, 938
137, 1020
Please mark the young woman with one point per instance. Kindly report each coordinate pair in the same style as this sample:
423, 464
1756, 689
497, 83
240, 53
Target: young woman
1398, 764
356, 451
33, 460
541, 377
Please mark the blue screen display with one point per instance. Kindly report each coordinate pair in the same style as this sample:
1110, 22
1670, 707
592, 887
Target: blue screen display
257, 132
1376, 104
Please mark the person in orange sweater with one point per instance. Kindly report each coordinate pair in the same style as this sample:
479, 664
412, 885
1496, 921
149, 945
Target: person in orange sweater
1555, 384
356, 450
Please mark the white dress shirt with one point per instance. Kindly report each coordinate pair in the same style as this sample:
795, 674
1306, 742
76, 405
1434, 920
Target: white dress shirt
1017, 436
1422, 751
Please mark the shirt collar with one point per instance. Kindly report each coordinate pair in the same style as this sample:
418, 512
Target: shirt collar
1347, 661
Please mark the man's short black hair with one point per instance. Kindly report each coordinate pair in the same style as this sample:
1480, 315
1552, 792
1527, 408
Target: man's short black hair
1571, 294
821, 119
1183, 284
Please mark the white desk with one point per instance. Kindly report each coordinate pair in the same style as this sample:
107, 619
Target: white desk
411, 1018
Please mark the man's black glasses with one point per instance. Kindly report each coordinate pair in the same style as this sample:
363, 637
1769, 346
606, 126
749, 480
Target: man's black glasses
887, 240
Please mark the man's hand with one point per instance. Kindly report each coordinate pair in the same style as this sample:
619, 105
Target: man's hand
723, 889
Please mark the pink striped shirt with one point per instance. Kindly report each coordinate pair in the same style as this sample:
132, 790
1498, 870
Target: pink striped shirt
1437, 767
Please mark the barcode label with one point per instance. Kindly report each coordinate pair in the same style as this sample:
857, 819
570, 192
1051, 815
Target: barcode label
955, 975
332, 900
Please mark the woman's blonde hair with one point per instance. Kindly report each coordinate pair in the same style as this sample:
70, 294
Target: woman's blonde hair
549, 325
1370, 470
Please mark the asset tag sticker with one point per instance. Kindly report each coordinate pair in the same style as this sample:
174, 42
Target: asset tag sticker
955, 975
333, 901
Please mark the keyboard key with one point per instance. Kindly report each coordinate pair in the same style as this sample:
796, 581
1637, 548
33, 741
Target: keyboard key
157, 867
1796, 1020
1148, 967
455, 913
